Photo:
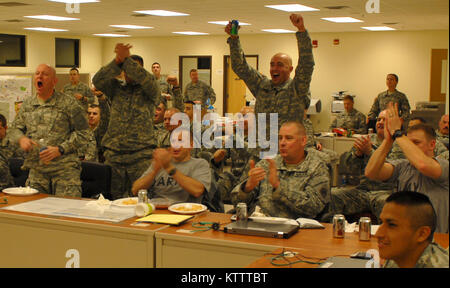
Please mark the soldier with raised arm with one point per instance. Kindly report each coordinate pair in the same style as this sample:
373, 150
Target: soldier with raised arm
129, 140
279, 94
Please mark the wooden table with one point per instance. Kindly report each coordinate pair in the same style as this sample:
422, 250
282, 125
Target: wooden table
35, 240
323, 252
174, 248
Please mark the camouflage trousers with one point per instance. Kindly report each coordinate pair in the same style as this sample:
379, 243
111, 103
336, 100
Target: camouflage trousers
349, 200
59, 180
125, 169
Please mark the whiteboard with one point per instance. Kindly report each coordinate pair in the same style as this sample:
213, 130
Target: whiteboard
13, 88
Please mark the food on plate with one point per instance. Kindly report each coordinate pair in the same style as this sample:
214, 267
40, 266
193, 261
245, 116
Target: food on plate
129, 202
188, 208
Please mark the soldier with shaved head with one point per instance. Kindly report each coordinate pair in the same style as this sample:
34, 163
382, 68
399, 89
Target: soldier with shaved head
279, 94
51, 127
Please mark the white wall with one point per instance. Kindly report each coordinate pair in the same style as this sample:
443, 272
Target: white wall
359, 64
41, 49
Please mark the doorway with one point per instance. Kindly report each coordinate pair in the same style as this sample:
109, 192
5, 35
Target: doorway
438, 77
201, 63
235, 92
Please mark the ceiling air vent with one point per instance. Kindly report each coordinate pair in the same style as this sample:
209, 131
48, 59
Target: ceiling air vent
14, 21
12, 4
336, 7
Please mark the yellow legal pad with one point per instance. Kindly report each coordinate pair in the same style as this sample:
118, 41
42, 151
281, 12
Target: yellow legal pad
171, 219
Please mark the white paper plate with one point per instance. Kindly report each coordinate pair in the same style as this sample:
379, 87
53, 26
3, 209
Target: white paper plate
122, 202
187, 208
20, 191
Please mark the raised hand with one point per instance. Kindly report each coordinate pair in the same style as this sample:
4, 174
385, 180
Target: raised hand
122, 51
228, 30
297, 21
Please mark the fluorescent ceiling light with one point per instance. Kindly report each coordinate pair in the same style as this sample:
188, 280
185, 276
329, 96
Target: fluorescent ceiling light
74, 1
190, 33
131, 26
52, 18
378, 28
161, 13
277, 30
226, 23
342, 20
112, 35
45, 29
292, 8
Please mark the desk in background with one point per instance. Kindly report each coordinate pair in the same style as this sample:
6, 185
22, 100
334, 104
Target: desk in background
35, 240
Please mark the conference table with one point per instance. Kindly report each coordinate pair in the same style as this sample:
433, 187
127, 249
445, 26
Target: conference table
36, 240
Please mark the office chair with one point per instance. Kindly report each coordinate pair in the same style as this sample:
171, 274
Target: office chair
20, 176
95, 180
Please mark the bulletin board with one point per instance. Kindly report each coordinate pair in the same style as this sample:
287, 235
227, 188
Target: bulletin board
13, 89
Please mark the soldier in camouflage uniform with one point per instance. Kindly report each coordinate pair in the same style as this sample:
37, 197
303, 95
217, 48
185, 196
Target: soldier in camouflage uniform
291, 185
280, 94
129, 140
6, 180
405, 238
351, 119
440, 150
369, 195
391, 95
198, 91
54, 120
79, 90
442, 132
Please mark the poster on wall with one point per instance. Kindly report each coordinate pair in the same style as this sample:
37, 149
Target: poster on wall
13, 90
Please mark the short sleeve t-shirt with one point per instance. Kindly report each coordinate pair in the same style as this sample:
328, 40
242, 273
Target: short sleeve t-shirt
408, 178
164, 186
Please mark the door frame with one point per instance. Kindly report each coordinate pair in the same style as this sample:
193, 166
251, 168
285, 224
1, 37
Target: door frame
225, 78
180, 67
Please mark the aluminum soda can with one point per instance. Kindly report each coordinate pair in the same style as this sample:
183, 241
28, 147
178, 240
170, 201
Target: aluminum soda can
234, 27
364, 228
142, 196
338, 226
241, 212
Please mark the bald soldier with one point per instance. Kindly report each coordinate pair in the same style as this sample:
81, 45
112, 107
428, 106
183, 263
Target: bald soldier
280, 94
51, 127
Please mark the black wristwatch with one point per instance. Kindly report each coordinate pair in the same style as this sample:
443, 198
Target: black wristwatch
172, 172
397, 133
61, 150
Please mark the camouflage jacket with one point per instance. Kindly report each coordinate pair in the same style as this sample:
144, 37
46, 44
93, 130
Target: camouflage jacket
353, 120
354, 165
384, 98
199, 91
304, 190
309, 133
434, 256
289, 99
130, 126
89, 151
6, 180
442, 138
60, 121
82, 89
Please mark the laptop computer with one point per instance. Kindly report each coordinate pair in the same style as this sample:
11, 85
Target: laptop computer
261, 229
